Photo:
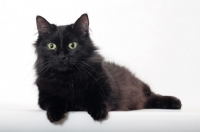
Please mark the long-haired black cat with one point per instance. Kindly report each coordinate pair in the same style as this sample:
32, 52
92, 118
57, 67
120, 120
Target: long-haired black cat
72, 76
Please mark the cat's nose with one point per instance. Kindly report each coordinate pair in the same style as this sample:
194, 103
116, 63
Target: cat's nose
62, 56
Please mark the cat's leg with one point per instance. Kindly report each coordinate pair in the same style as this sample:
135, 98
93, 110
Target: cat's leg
97, 107
158, 101
99, 112
55, 107
56, 112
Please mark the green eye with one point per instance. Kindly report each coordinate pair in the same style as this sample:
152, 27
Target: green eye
51, 46
72, 45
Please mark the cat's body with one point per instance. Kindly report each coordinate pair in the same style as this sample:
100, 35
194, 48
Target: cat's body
72, 76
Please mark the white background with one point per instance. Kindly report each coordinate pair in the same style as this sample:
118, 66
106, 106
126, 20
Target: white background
157, 40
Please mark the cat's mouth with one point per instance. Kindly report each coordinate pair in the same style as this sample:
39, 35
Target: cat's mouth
64, 67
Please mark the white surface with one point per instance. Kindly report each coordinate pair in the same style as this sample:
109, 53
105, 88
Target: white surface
157, 40
18, 120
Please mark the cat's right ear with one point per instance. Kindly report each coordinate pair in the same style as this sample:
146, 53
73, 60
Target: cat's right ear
43, 26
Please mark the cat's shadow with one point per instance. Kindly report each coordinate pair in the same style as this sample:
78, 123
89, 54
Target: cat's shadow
102, 120
61, 122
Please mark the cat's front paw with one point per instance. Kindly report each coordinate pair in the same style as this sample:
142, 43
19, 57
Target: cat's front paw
55, 114
98, 113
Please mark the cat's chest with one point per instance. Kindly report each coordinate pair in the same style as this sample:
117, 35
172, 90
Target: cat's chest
70, 82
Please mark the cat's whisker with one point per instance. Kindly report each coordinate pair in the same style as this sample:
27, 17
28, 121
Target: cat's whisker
43, 70
94, 79
81, 71
85, 71
90, 67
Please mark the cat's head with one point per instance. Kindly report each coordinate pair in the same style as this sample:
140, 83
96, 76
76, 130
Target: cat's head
63, 47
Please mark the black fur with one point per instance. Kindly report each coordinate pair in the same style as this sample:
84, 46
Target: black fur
80, 80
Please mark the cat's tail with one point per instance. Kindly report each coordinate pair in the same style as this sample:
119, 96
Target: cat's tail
155, 101
163, 102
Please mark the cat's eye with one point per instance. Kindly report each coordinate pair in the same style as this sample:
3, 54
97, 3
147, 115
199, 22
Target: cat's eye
72, 45
51, 46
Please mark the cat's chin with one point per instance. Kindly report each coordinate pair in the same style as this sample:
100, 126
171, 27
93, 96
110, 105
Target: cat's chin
64, 68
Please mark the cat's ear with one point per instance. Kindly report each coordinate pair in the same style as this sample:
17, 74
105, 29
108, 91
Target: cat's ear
43, 26
82, 24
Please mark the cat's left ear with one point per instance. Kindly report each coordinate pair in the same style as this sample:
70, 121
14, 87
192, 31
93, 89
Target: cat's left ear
82, 24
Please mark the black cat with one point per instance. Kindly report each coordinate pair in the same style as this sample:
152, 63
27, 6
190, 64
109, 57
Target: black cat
72, 76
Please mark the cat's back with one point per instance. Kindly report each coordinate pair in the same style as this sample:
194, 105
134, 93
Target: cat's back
121, 75
118, 72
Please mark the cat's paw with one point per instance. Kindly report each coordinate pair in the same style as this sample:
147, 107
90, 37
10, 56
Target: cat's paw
173, 102
98, 113
55, 114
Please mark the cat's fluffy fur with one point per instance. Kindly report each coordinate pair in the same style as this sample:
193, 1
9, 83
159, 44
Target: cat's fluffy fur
80, 80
